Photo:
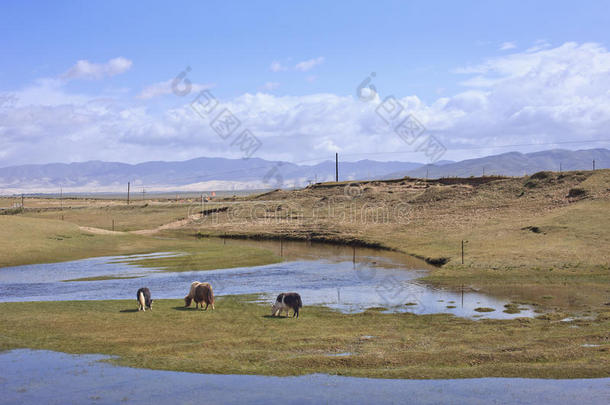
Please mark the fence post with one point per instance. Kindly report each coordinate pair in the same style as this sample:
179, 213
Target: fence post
462, 251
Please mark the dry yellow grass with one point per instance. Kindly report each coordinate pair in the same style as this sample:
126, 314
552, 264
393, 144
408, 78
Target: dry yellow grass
524, 235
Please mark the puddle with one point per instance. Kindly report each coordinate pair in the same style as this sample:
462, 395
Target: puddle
322, 275
344, 354
36, 376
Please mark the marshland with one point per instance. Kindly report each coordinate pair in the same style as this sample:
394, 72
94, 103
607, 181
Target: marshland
379, 265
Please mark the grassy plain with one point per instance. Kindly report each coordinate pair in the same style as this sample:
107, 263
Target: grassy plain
545, 235
541, 239
25, 240
239, 337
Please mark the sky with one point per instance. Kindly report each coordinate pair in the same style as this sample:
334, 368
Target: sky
300, 81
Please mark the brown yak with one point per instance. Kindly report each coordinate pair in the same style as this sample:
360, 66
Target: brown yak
201, 293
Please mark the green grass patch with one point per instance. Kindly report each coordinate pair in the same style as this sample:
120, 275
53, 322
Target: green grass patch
484, 309
240, 337
34, 240
210, 256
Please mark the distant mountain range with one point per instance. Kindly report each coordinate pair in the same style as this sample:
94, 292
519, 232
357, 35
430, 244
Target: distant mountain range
513, 164
203, 174
191, 175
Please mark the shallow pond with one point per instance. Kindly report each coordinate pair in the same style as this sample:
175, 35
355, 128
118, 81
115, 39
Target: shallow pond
325, 275
36, 376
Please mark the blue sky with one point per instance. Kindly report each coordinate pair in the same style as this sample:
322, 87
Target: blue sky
289, 71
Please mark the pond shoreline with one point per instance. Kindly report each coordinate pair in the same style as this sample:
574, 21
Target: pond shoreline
42, 376
320, 238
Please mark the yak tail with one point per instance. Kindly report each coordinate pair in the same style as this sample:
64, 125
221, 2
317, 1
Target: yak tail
299, 302
210, 294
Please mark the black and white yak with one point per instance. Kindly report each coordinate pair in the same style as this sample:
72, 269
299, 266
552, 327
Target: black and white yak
144, 300
286, 302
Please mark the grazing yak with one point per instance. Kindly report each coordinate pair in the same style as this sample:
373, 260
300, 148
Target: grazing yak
144, 300
286, 302
200, 293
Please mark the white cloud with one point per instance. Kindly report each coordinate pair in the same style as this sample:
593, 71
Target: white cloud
83, 69
48, 91
277, 66
164, 88
270, 86
539, 45
507, 45
549, 95
309, 64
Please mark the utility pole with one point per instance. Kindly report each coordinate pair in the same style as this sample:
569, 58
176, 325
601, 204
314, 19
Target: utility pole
201, 205
337, 167
128, 189
427, 173
61, 198
559, 167
22, 206
593, 164
143, 193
